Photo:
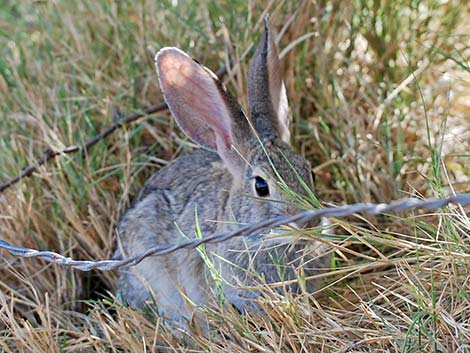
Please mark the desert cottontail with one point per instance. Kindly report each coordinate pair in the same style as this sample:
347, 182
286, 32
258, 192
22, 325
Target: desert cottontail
245, 172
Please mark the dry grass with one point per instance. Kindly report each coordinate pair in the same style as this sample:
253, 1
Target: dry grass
379, 92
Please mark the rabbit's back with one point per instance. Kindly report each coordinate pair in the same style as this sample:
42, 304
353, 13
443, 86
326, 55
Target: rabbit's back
169, 206
187, 171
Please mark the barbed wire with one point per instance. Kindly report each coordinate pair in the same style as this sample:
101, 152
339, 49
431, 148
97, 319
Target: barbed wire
304, 216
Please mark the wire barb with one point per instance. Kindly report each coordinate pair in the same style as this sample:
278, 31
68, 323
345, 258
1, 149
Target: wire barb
309, 215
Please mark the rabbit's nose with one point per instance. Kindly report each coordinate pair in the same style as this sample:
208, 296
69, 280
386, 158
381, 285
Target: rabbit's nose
324, 223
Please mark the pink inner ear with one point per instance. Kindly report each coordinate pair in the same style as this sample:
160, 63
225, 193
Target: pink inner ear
194, 99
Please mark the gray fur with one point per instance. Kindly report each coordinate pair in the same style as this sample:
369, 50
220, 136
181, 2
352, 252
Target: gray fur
266, 90
223, 197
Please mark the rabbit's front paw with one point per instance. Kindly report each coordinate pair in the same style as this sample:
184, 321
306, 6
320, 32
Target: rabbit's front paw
245, 301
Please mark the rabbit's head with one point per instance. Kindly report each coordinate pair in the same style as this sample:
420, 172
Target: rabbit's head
255, 149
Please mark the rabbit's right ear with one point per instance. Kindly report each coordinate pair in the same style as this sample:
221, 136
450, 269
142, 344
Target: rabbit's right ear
267, 97
203, 109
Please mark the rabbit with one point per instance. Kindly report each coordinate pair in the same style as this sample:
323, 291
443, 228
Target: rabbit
238, 176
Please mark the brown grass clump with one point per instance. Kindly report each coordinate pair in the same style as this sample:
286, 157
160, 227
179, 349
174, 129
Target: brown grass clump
379, 92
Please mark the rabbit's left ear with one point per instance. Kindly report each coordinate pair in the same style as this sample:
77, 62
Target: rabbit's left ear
207, 113
266, 90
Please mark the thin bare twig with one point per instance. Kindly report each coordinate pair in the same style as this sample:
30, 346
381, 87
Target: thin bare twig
118, 123
342, 211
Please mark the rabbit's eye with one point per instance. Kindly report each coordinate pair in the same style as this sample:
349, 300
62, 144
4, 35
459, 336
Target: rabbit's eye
261, 187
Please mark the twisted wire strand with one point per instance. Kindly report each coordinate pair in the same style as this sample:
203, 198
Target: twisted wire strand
309, 215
